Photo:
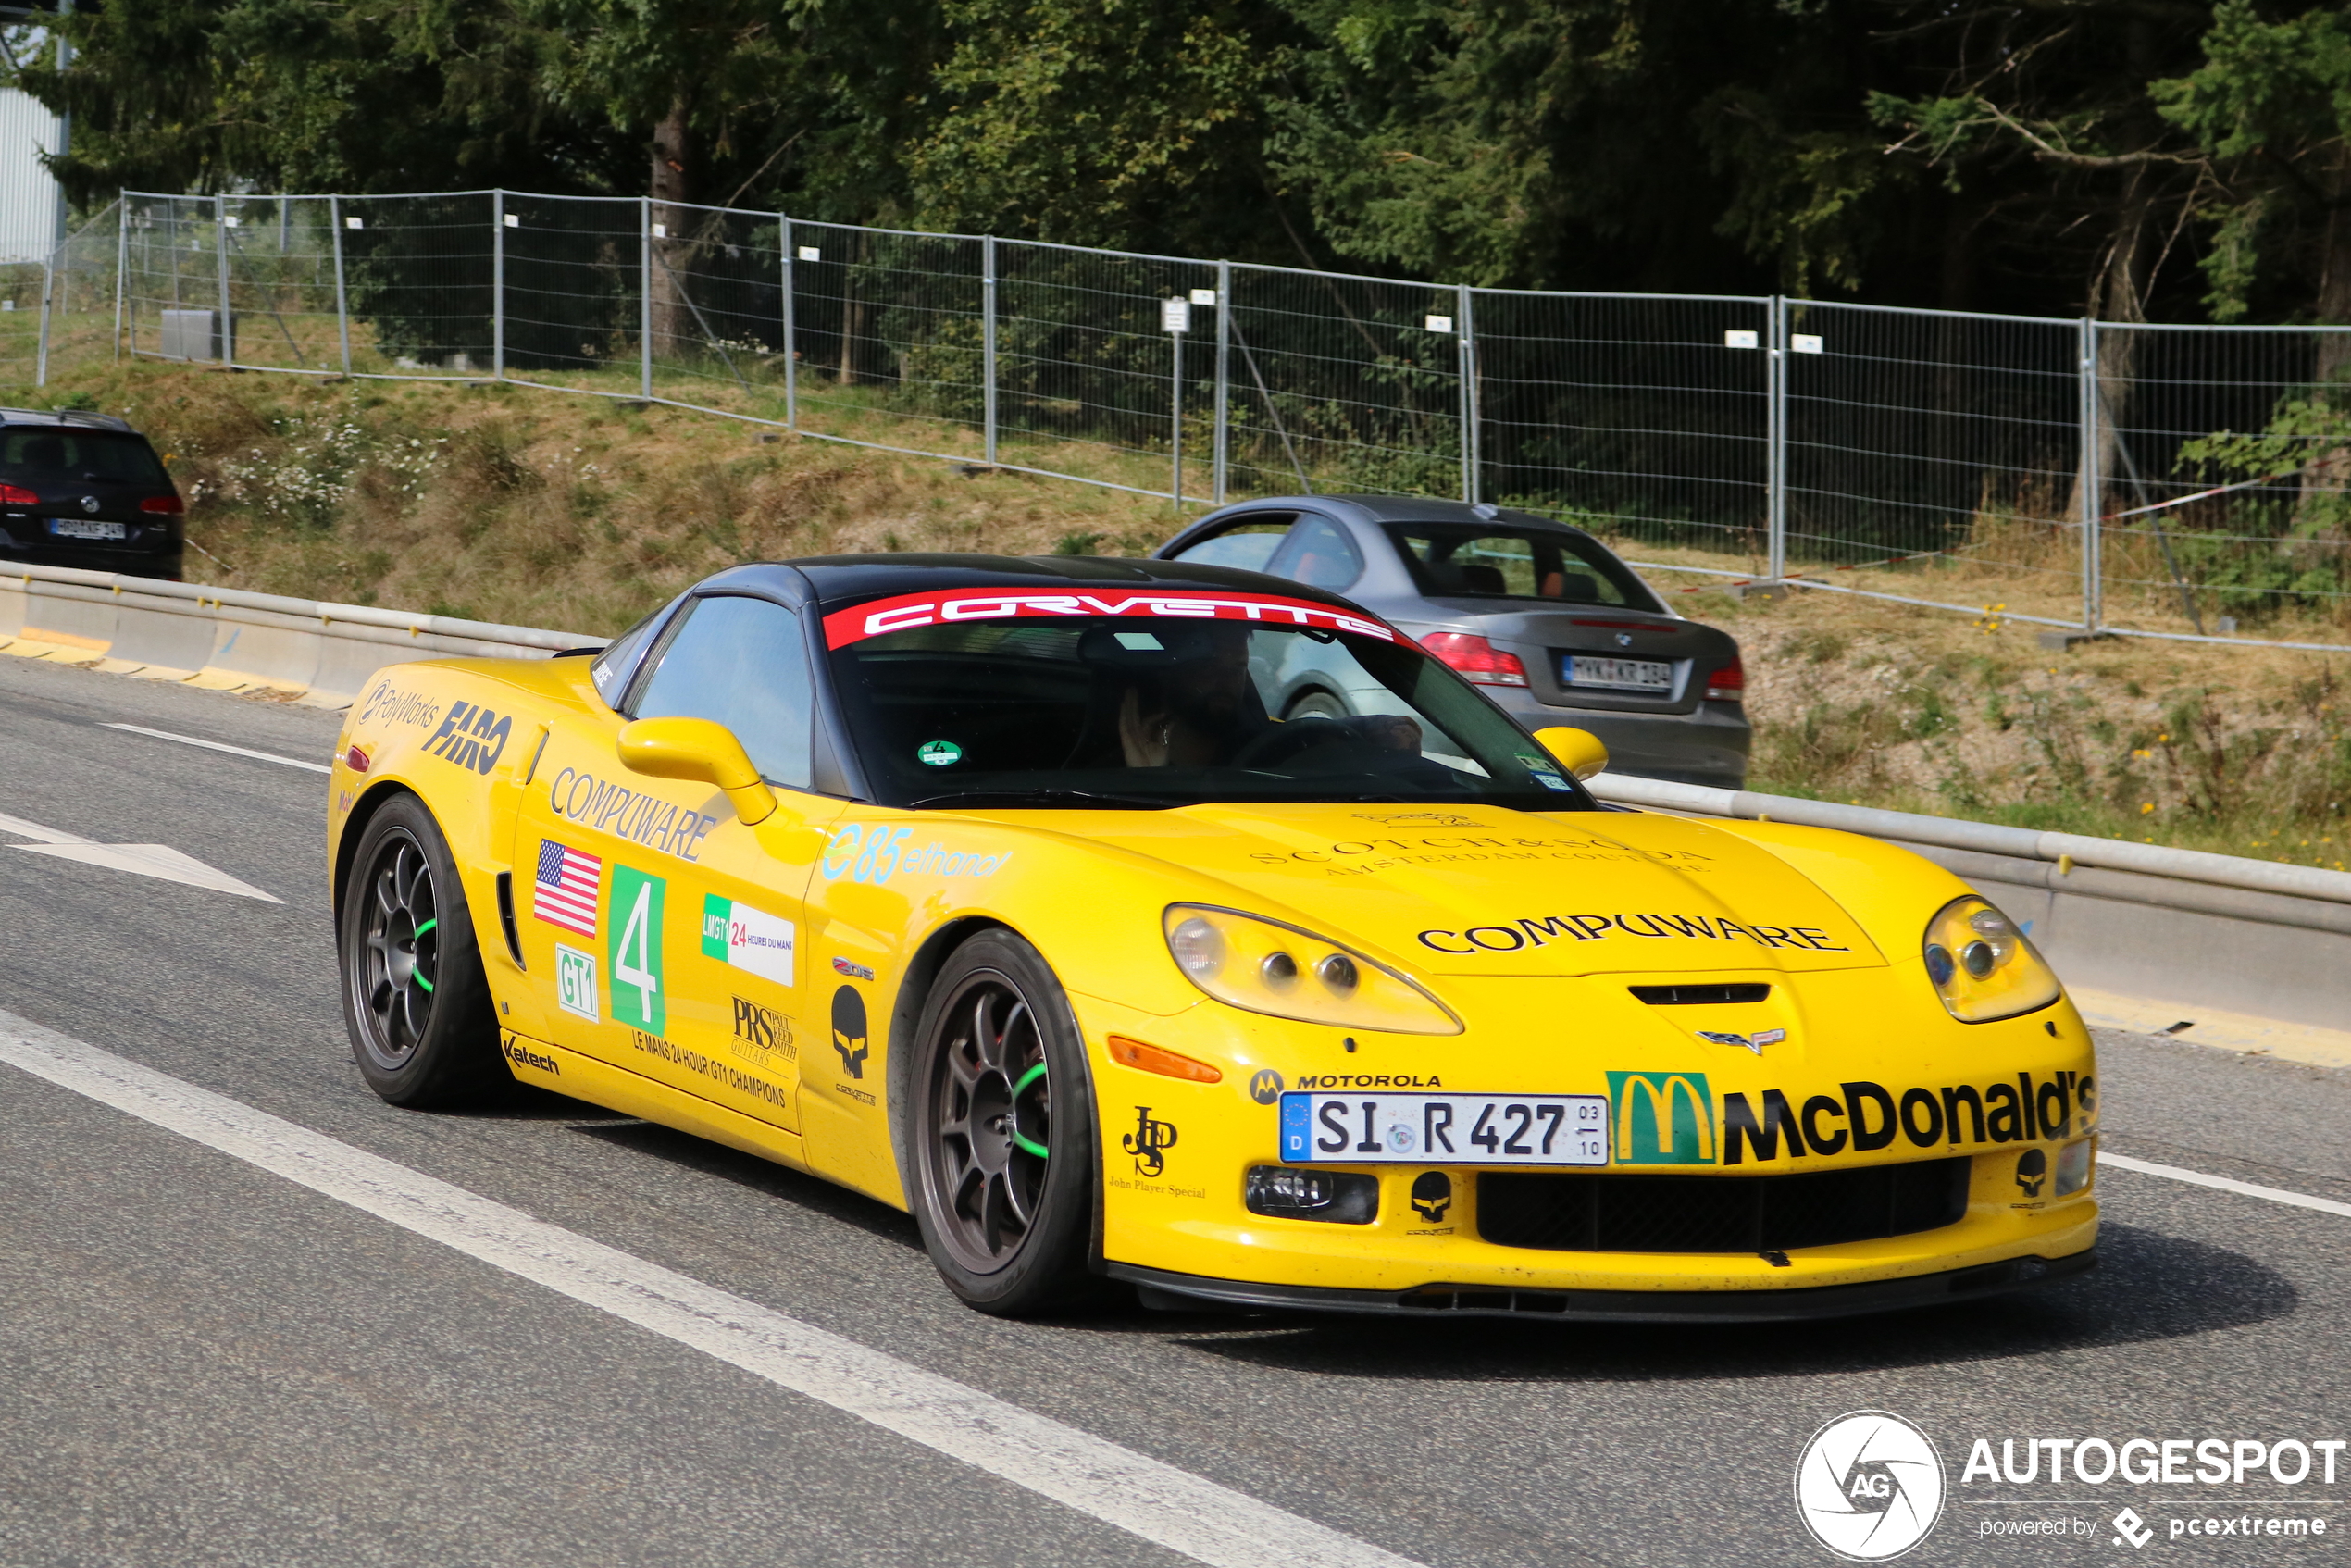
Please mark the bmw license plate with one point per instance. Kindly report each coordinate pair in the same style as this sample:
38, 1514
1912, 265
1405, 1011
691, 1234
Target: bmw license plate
1622, 674
1445, 1129
83, 527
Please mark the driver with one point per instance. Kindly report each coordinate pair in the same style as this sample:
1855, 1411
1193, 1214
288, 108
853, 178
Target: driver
1197, 706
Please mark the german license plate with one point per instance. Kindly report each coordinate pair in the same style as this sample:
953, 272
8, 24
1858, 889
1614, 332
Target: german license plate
1445, 1129
1622, 674
83, 527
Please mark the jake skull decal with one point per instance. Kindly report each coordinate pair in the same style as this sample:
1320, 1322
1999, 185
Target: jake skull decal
848, 1030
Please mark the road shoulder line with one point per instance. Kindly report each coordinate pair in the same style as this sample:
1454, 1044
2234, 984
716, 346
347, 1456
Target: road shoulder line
2225, 1184
1162, 1504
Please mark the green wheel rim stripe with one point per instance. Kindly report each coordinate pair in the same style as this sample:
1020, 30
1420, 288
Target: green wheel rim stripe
418, 976
1021, 1140
427, 926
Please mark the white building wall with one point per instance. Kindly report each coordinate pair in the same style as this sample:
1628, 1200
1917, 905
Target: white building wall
28, 207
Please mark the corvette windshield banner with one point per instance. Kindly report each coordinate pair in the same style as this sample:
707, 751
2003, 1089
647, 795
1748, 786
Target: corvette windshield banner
880, 616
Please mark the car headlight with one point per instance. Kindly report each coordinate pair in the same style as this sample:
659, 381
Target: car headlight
1982, 965
1265, 966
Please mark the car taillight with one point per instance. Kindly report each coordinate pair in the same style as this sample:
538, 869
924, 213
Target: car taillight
1479, 661
170, 503
1728, 684
17, 495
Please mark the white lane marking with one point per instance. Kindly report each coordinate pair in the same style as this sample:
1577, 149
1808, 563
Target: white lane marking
2246, 1189
159, 861
221, 746
1166, 1506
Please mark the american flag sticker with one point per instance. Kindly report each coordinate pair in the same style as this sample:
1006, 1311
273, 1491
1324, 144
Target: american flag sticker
565, 891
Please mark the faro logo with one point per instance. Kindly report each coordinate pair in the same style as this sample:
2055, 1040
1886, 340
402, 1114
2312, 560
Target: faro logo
1869, 1486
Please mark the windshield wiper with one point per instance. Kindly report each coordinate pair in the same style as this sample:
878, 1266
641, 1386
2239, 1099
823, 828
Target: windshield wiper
1076, 799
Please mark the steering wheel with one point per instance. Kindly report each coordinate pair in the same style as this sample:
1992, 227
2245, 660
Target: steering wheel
1282, 742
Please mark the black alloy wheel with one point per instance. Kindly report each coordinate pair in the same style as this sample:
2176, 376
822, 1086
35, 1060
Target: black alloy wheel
415, 1002
400, 951
1004, 1139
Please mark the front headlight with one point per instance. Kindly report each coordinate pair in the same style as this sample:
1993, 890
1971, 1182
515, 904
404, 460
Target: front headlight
1982, 965
1265, 966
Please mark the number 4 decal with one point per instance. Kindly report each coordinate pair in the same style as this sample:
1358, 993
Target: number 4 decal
635, 922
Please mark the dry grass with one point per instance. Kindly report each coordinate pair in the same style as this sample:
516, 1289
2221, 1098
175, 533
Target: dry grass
528, 508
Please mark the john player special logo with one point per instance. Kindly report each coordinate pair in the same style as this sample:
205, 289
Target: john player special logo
1869, 1486
1148, 1141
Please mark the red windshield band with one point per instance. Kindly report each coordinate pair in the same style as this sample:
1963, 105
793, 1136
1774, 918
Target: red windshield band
880, 616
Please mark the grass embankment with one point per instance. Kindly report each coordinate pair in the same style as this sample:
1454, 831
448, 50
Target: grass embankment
507, 504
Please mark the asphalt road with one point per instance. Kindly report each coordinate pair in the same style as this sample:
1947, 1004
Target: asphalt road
202, 1363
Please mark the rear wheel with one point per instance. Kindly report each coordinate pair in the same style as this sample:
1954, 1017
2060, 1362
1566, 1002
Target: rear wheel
1003, 1125
1316, 704
415, 1002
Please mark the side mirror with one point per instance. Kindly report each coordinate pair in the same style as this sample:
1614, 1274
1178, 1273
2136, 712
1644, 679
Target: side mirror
697, 749
1578, 751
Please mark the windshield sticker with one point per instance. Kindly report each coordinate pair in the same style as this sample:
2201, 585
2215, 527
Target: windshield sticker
906, 611
939, 754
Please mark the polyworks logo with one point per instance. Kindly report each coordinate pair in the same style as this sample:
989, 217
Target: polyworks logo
1869, 1486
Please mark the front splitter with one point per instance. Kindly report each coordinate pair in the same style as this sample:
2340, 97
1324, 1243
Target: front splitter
1190, 1292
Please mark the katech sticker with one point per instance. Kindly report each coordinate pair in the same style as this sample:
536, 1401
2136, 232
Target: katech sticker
640, 995
905, 611
747, 938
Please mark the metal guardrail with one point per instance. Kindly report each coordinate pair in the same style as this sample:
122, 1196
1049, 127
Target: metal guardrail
231, 638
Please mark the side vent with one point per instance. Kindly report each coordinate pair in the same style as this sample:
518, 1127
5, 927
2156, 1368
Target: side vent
507, 917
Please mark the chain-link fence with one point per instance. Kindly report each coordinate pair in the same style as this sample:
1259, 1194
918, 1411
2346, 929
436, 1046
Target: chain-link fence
2172, 482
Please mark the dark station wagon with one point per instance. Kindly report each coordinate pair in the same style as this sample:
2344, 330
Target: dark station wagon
86, 489
1541, 616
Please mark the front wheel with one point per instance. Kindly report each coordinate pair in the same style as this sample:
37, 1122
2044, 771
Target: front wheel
415, 1002
1003, 1132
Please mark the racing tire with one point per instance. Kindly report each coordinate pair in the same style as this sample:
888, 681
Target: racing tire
1005, 1152
1315, 703
414, 999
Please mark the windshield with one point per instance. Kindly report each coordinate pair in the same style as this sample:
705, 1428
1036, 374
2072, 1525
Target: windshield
1155, 710
1482, 561
79, 455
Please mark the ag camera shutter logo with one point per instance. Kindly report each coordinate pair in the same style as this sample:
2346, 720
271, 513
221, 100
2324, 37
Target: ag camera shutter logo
1869, 1486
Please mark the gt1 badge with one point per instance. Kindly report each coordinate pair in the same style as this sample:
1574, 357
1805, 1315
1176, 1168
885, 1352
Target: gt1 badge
1869, 1486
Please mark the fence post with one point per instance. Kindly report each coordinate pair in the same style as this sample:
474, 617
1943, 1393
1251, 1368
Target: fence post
498, 284
1219, 450
121, 262
645, 296
2092, 483
988, 345
1176, 416
343, 300
220, 250
48, 288
1465, 357
1776, 442
791, 336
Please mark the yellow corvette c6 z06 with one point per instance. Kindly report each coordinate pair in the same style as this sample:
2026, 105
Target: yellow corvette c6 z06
990, 887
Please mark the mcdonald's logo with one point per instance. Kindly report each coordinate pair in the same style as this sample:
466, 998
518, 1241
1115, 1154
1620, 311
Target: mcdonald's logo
1662, 1118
